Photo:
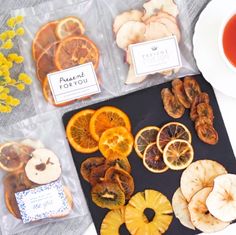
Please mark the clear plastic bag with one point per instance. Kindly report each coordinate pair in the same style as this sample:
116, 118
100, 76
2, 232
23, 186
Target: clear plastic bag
98, 17
111, 9
47, 129
87, 12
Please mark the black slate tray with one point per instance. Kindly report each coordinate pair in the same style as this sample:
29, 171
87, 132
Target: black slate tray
145, 108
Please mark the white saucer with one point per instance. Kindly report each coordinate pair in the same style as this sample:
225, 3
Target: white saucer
206, 50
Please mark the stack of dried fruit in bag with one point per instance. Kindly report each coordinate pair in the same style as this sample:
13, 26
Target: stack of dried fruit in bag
157, 20
28, 165
60, 45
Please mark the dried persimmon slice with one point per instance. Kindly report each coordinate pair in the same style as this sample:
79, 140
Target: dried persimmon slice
171, 104
191, 88
207, 134
76, 50
199, 99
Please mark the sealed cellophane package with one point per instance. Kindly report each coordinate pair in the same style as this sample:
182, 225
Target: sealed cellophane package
65, 52
150, 41
39, 183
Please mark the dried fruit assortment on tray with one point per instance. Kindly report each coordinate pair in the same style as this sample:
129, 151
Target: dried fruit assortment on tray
60, 45
28, 164
156, 20
187, 94
206, 196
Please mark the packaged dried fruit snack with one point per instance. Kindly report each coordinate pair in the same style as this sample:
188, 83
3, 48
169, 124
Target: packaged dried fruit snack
66, 54
39, 183
151, 41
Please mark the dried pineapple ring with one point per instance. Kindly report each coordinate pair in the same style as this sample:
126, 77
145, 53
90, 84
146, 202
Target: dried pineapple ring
135, 220
112, 222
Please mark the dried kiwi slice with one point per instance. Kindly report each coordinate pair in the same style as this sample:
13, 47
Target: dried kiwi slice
123, 163
97, 174
108, 195
122, 178
89, 164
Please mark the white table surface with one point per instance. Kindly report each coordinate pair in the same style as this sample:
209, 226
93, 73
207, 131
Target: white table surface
228, 110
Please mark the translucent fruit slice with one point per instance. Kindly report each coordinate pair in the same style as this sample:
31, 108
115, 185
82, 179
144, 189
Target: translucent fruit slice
153, 159
69, 26
108, 195
172, 131
47, 93
76, 50
44, 38
108, 117
178, 154
112, 222
77, 132
45, 63
145, 137
116, 142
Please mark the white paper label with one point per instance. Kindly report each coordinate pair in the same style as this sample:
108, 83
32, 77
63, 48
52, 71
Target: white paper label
155, 56
73, 83
42, 202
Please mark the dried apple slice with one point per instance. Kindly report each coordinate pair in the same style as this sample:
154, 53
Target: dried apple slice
130, 33
133, 15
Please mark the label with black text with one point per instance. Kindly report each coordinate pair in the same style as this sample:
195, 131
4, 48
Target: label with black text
155, 56
73, 83
42, 202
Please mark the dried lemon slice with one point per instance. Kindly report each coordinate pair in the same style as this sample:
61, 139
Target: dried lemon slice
145, 137
178, 154
172, 131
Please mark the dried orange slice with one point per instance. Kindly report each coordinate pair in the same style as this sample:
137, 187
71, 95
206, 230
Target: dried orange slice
172, 131
178, 154
69, 26
145, 137
116, 142
153, 159
77, 132
76, 50
44, 38
108, 117
45, 63
47, 93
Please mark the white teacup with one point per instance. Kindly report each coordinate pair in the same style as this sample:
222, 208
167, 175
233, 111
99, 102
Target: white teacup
220, 41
